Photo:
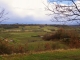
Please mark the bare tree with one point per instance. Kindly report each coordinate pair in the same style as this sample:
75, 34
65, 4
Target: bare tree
3, 15
64, 10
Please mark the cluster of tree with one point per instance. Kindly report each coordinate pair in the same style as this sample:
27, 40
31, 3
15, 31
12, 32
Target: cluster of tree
8, 26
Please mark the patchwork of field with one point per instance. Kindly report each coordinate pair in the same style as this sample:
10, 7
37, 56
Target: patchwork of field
27, 33
30, 35
31, 39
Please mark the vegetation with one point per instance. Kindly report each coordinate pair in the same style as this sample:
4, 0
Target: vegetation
69, 37
38, 38
48, 55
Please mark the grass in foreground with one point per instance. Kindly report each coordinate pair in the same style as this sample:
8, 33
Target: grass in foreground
51, 55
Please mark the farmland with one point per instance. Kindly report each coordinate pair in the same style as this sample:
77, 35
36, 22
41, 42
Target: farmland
29, 38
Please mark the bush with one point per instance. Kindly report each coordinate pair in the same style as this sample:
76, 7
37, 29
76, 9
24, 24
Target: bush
47, 46
69, 37
59, 34
5, 47
74, 43
47, 37
19, 49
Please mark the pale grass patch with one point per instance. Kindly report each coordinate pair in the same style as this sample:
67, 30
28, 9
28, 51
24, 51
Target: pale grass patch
57, 50
39, 52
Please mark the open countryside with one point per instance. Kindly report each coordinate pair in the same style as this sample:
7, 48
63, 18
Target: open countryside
32, 42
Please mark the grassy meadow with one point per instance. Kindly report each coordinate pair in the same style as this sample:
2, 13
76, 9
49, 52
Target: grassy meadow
28, 39
47, 55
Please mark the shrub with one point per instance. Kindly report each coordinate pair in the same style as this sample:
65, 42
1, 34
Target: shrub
5, 47
59, 34
47, 46
69, 37
19, 49
74, 43
47, 37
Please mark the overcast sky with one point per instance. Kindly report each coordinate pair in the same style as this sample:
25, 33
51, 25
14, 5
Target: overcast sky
26, 11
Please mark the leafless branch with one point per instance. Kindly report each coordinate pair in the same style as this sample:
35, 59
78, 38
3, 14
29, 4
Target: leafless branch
3, 15
67, 12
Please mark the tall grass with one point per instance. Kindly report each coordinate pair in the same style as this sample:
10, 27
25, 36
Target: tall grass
54, 55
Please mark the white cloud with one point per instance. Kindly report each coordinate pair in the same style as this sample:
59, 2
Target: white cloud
23, 8
35, 9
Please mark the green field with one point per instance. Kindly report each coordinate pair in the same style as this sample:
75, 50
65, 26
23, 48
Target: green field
47, 55
31, 36
28, 39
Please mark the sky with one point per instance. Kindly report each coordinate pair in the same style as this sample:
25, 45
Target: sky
26, 11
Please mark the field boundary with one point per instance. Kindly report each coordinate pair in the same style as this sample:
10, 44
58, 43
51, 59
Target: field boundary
40, 52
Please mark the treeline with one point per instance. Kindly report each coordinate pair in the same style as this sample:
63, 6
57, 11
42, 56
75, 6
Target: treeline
9, 26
